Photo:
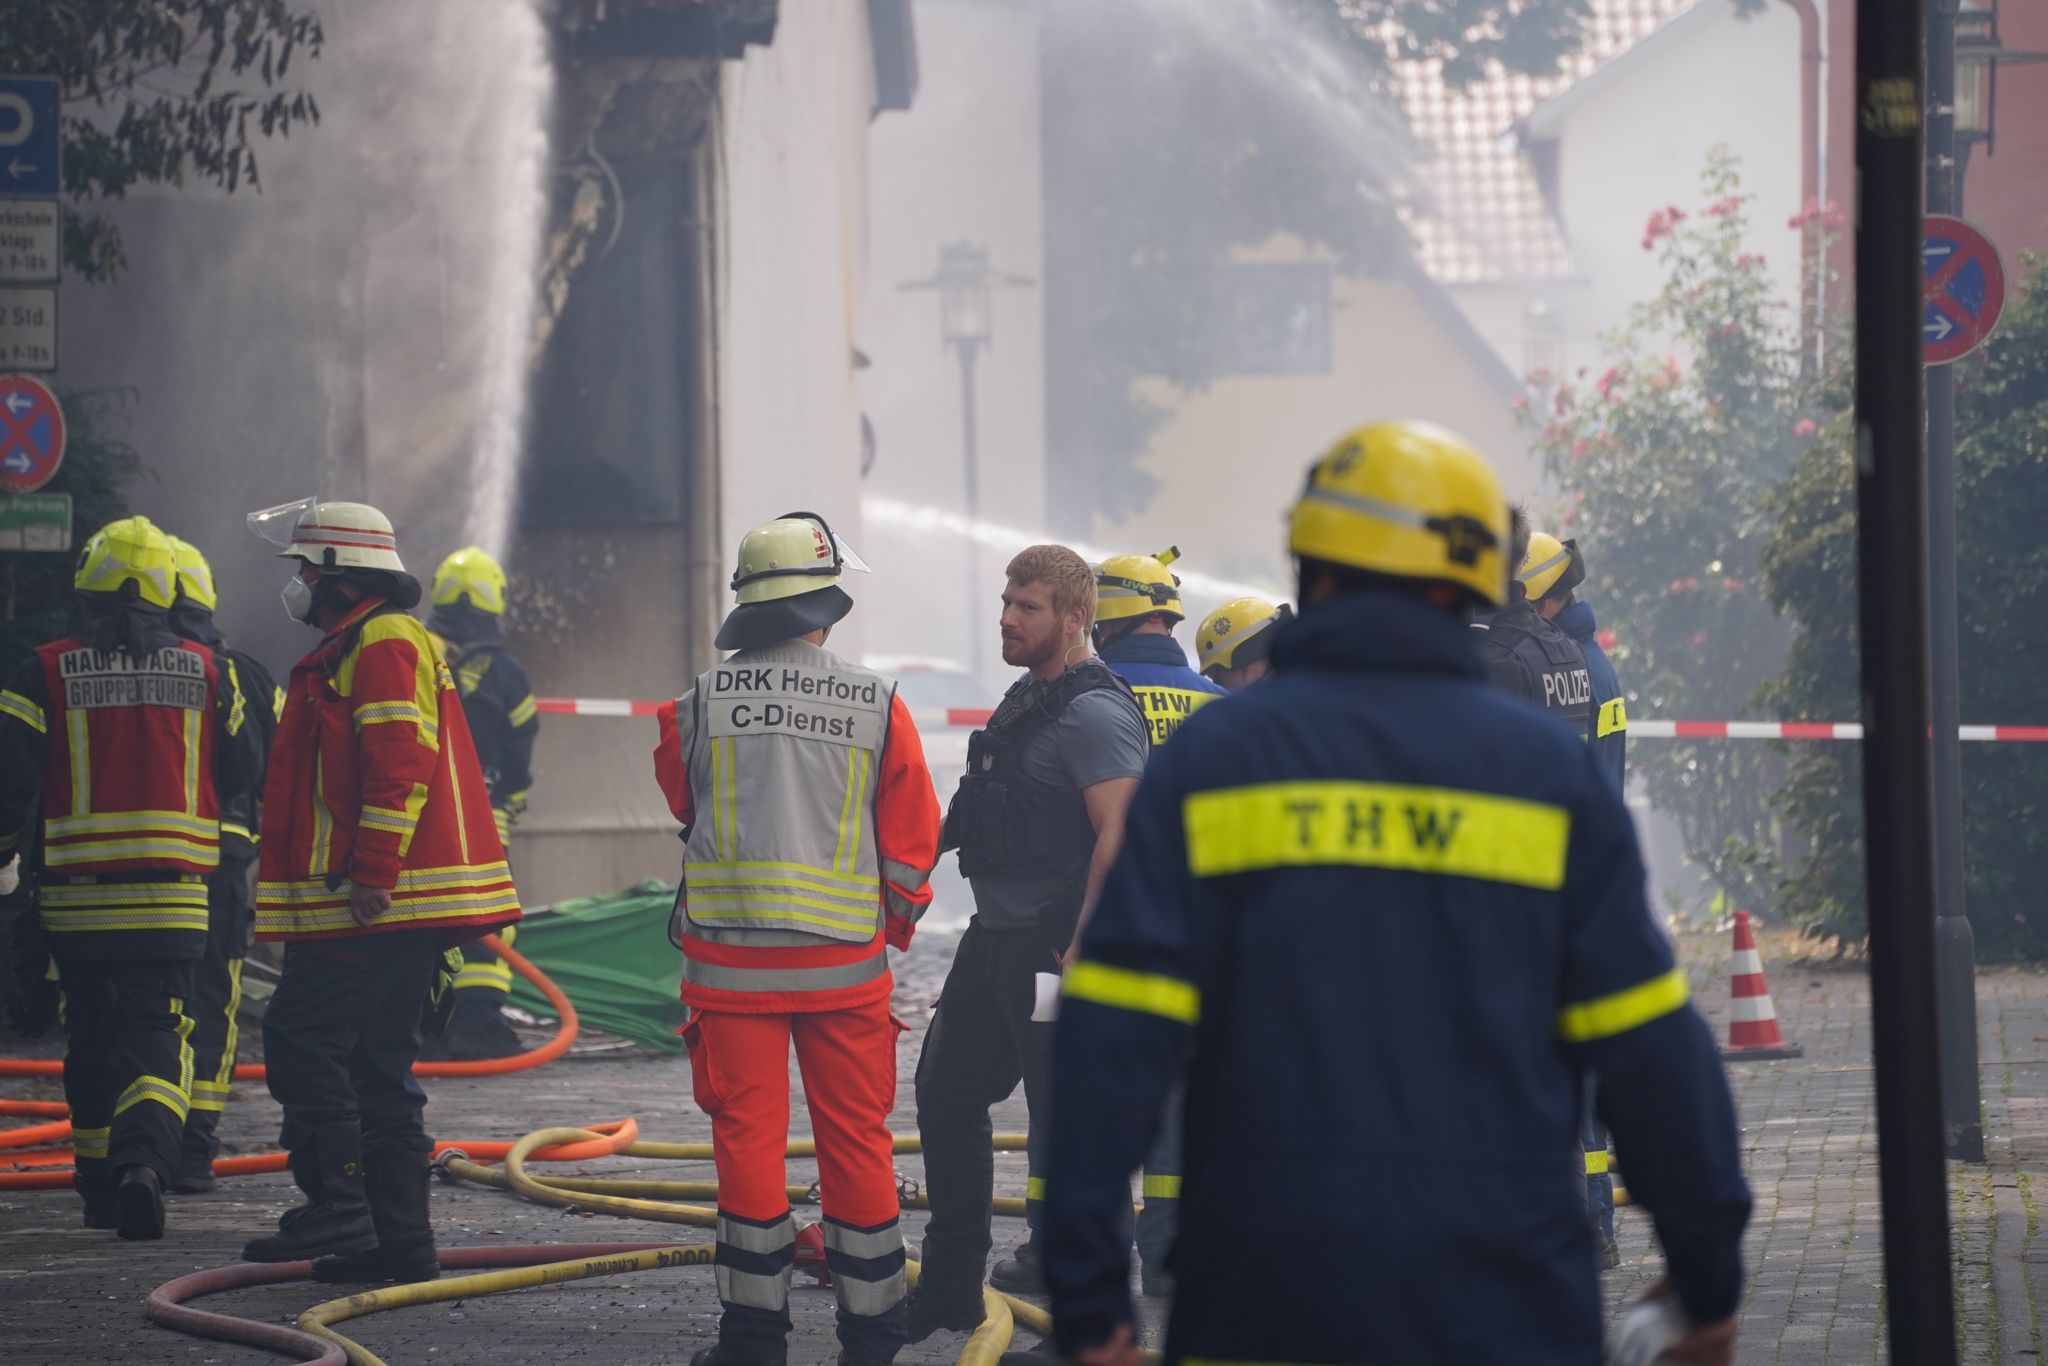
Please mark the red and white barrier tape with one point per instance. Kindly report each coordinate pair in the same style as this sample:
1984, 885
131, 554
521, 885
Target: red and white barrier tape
970, 717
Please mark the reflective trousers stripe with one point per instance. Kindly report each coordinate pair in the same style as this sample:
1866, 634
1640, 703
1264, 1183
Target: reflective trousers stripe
754, 1260
92, 1143
1161, 1188
1596, 1161
866, 1265
720, 977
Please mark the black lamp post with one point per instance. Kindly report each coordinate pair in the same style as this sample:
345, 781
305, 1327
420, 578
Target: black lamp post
966, 284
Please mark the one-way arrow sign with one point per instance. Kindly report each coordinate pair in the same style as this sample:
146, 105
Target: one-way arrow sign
30, 135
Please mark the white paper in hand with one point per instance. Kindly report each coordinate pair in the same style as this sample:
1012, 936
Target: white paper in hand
1045, 1007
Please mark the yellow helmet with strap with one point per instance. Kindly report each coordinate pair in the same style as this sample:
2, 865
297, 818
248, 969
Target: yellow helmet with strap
1231, 635
471, 573
1129, 586
130, 551
1550, 566
1407, 500
195, 575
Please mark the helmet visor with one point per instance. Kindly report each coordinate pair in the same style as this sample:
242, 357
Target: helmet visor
846, 555
276, 524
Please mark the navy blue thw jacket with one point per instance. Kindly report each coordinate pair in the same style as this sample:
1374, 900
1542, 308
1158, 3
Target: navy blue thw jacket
1168, 690
1610, 725
1382, 919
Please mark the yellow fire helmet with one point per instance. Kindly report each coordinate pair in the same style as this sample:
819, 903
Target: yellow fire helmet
1239, 633
1408, 500
1129, 586
1551, 566
195, 575
129, 551
471, 574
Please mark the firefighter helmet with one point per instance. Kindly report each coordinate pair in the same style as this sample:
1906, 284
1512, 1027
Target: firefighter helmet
331, 535
471, 575
1551, 566
130, 551
1406, 500
1239, 633
195, 575
1129, 586
787, 582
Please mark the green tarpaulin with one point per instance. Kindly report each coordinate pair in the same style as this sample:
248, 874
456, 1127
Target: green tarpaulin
611, 956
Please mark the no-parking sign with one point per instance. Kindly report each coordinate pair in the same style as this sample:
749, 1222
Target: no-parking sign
31, 434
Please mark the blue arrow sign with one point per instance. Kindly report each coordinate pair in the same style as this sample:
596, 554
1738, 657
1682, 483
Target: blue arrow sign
29, 135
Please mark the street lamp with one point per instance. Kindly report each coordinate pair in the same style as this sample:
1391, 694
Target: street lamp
1976, 39
966, 284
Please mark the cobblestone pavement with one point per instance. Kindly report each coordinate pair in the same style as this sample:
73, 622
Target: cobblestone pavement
1814, 1250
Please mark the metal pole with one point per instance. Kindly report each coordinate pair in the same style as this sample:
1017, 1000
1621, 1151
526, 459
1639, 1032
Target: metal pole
970, 443
1891, 589
1954, 944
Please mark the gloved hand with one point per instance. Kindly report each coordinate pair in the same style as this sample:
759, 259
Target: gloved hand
31, 994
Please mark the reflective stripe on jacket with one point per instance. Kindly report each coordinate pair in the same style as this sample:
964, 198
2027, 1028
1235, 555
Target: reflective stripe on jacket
812, 829
373, 779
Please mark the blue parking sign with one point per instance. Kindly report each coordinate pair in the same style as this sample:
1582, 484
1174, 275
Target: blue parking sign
29, 135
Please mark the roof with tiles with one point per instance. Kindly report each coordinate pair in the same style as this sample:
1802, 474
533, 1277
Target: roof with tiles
1488, 222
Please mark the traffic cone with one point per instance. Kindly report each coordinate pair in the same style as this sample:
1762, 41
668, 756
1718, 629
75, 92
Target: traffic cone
1752, 1022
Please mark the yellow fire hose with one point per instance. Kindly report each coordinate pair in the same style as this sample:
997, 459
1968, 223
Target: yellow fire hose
631, 1199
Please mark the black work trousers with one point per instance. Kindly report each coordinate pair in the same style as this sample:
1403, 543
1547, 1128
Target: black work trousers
127, 1062
981, 1043
216, 998
342, 1033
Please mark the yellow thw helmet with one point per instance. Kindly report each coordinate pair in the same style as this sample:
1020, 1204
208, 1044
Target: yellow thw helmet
195, 575
1550, 566
1238, 633
470, 573
1408, 500
1129, 586
129, 551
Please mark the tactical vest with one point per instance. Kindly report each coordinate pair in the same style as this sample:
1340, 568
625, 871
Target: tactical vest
131, 819
784, 753
1564, 686
1006, 823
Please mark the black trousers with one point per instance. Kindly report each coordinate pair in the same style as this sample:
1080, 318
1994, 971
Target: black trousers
127, 1062
981, 1043
216, 998
342, 1033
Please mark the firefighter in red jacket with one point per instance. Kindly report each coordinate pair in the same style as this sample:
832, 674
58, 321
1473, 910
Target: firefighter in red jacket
134, 738
812, 827
379, 853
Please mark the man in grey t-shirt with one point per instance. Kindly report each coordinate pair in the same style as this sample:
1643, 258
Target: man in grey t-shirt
1037, 822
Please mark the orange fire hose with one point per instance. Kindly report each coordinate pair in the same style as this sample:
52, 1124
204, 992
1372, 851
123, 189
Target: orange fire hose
618, 1136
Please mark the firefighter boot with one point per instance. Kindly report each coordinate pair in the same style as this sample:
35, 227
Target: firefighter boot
96, 1188
196, 1149
1020, 1272
405, 1237
335, 1218
139, 1200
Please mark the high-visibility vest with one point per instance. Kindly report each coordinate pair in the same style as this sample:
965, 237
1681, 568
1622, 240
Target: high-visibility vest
783, 755
128, 787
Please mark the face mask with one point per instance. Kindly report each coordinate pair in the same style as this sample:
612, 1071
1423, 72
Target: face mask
298, 599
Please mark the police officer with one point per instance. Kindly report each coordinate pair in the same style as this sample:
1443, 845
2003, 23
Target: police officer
1137, 605
1528, 656
217, 979
1382, 919
811, 828
1234, 644
1551, 571
134, 738
378, 855
1037, 819
504, 721
1551, 574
